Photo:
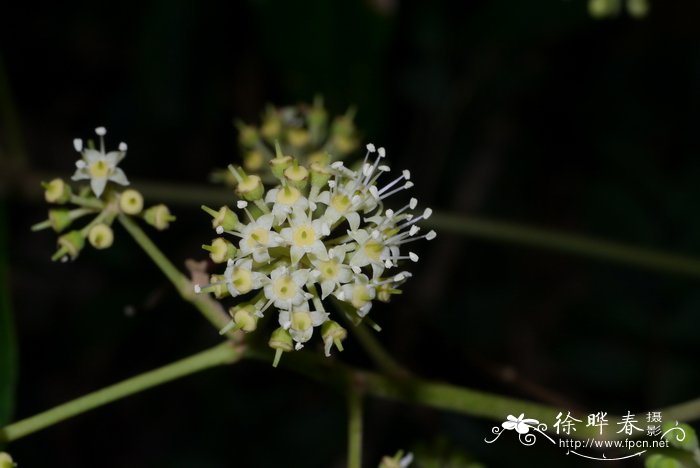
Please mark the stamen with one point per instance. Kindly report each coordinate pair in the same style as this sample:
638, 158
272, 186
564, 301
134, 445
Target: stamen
122, 146
78, 144
407, 185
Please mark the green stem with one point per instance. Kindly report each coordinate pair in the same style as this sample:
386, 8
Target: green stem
219, 355
370, 344
354, 428
87, 202
563, 242
211, 309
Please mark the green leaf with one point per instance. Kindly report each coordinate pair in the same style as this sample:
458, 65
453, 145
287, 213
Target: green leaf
8, 344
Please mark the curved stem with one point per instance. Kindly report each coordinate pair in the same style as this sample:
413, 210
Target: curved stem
354, 428
222, 354
211, 309
568, 243
369, 343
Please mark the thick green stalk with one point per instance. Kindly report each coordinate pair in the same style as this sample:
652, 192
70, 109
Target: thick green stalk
224, 353
563, 242
211, 309
354, 428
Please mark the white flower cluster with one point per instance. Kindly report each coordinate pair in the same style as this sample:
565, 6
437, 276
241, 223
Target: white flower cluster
321, 228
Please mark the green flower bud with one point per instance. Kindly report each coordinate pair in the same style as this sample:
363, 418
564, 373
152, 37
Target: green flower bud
57, 191
131, 202
247, 135
333, 333
159, 217
320, 174
245, 317
60, 219
298, 137
6, 460
603, 8
218, 287
220, 250
280, 163
296, 175
281, 341
638, 8
271, 125
225, 219
101, 236
317, 115
69, 244
253, 160
250, 188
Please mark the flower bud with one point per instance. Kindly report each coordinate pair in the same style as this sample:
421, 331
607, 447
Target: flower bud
638, 8
217, 286
220, 250
224, 218
69, 244
296, 175
131, 202
298, 137
281, 341
6, 460
247, 135
344, 144
253, 160
57, 191
280, 163
320, 174
271, 126
60, 219
603, 8
250, 187
317, 116
101, 236
158, 216
245, 317
333, 333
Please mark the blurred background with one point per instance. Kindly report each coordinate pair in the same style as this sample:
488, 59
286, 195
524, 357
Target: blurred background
530, 112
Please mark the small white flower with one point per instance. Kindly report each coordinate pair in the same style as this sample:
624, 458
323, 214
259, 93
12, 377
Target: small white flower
370, 250
285, 200
304, 236
257, 237
332, 272
284, 289
358, 293
240, 278
99, 167
300, 322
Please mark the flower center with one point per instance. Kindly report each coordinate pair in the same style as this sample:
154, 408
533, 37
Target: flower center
243, 280
99, 168
373, 249
301, 320
285, 288
288, 195
304, 235
340, 202
258, 236
329, 270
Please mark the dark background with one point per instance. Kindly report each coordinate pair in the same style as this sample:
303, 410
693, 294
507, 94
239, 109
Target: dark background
530, 112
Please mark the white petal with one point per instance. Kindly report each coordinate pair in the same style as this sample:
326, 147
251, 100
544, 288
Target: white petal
98, 185
118, 177
354, 220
